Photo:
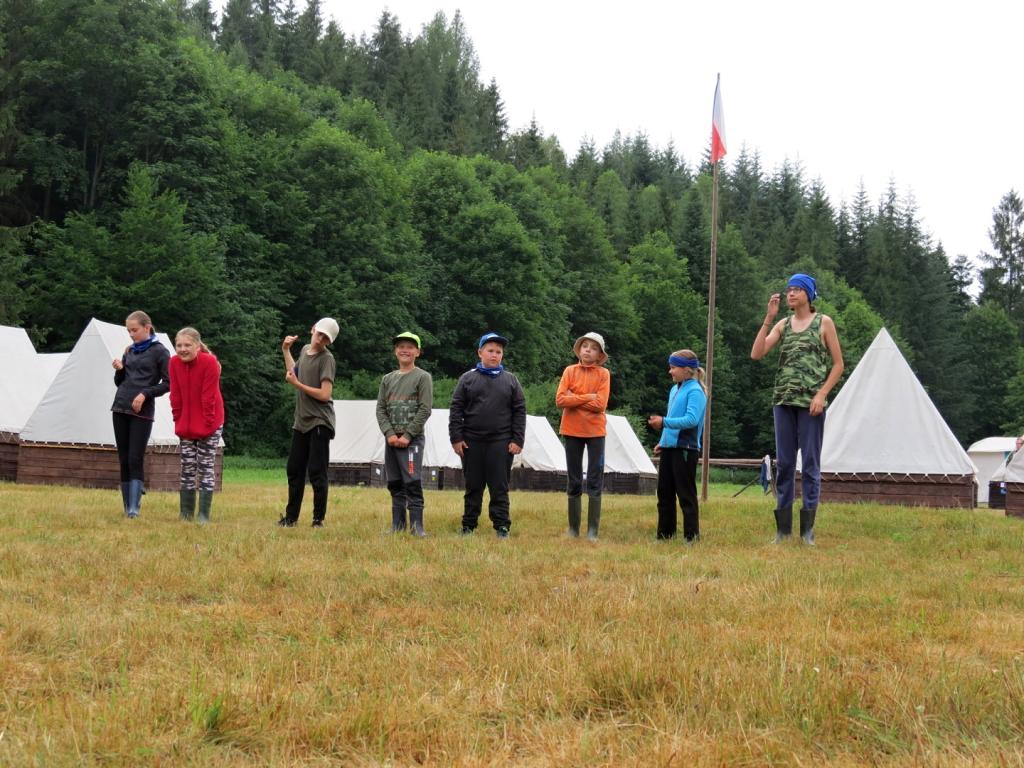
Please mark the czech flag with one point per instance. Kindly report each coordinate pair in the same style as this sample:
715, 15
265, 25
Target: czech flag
717, 125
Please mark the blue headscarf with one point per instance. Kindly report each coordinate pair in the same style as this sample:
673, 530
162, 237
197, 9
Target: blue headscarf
683, 362
805, 283
481, 368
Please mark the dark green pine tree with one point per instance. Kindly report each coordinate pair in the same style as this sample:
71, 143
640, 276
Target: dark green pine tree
1003, 277
492, 124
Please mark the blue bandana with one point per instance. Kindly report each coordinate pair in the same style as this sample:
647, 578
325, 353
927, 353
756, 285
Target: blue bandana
142, 346
683, 362
805, 283
481, 368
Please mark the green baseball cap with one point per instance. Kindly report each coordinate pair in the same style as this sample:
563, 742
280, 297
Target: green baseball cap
407, 336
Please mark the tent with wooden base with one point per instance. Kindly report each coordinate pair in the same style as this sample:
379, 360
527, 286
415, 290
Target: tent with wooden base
23, 381
989, 456
1012, 477
627, 466
541, 465
885, 441
357, 450
69, 438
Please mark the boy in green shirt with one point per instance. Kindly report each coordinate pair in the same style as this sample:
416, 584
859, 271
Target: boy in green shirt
403, 407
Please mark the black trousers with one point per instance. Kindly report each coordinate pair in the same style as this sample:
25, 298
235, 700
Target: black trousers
131, 435
487, 464
309, 455
677, 478
574, 463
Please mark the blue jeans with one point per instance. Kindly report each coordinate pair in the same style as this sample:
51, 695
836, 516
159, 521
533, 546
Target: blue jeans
796, 428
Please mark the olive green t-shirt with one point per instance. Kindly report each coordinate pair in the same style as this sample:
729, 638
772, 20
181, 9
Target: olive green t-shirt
804, 363
313, 369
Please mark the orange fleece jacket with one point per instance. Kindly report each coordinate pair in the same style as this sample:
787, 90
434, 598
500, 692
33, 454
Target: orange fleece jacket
583, 397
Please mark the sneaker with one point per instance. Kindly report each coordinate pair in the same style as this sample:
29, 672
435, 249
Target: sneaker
284, 522
501, 533
466, 531
318, 523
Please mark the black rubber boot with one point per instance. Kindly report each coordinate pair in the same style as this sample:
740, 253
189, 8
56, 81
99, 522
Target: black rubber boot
575, 513
783, 524
187, 504
807, 525
205, 502
593, 516
416, 523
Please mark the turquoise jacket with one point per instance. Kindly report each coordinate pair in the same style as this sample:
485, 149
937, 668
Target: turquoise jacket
684, 422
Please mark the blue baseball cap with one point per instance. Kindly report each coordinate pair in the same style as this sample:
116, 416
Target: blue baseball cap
492, 336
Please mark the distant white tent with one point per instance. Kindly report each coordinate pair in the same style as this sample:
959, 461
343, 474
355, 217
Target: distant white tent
627, 466
989, 455
543, 451
23, 379
51, 363
358, 439
886, 441
76, 407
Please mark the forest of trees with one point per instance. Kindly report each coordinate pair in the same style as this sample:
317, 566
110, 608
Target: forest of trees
250, 172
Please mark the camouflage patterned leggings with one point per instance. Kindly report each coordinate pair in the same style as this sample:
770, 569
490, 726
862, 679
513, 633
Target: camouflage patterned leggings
198, 460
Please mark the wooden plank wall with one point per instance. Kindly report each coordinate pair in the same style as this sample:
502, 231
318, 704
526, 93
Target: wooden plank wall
1015, 499
8, 456
97, 467
942, 492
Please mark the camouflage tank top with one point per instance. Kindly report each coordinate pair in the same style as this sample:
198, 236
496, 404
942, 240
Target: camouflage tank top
804, 363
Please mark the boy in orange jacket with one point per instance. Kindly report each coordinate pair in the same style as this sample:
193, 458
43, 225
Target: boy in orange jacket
583, 397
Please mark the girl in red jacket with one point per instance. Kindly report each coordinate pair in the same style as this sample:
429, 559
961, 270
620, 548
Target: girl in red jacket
198, 410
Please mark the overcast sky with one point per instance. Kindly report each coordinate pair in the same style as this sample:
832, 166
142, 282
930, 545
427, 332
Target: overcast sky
925, 94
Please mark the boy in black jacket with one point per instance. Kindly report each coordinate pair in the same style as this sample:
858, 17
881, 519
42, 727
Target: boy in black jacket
487, 428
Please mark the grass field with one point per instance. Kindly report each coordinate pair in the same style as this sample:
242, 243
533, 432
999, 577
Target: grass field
898, 640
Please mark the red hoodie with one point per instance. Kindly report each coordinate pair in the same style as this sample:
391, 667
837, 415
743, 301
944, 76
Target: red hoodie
196, 402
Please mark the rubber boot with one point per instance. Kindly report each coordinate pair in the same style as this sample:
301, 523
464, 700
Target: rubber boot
575, 513
807, 525
124, 496
187, 504
135, 492
416, 523
783, 524
593, 516
205, 502
397, 519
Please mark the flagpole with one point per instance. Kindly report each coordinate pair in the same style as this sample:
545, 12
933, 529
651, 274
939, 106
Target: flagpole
709, 357
717, 153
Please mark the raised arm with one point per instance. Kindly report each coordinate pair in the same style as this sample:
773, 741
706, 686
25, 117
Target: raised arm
770, 332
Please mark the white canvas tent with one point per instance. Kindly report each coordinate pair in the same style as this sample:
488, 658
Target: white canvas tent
51, 363
76, 407
357, 451
627, 466
989, 455
1013, 476
69, 438
23, 379
886, 441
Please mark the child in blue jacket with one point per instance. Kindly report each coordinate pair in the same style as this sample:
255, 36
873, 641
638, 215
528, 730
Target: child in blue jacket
680, 446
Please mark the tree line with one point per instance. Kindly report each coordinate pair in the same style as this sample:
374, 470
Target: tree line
251, 173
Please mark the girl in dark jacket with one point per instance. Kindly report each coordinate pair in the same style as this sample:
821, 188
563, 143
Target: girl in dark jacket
141, 377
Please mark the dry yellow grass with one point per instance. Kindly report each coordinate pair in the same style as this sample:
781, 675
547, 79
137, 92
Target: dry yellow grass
898, 640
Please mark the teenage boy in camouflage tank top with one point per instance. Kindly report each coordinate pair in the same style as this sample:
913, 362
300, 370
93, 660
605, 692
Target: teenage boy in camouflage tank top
810, 365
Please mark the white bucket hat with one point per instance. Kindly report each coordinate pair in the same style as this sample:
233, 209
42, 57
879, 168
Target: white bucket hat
597, 338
